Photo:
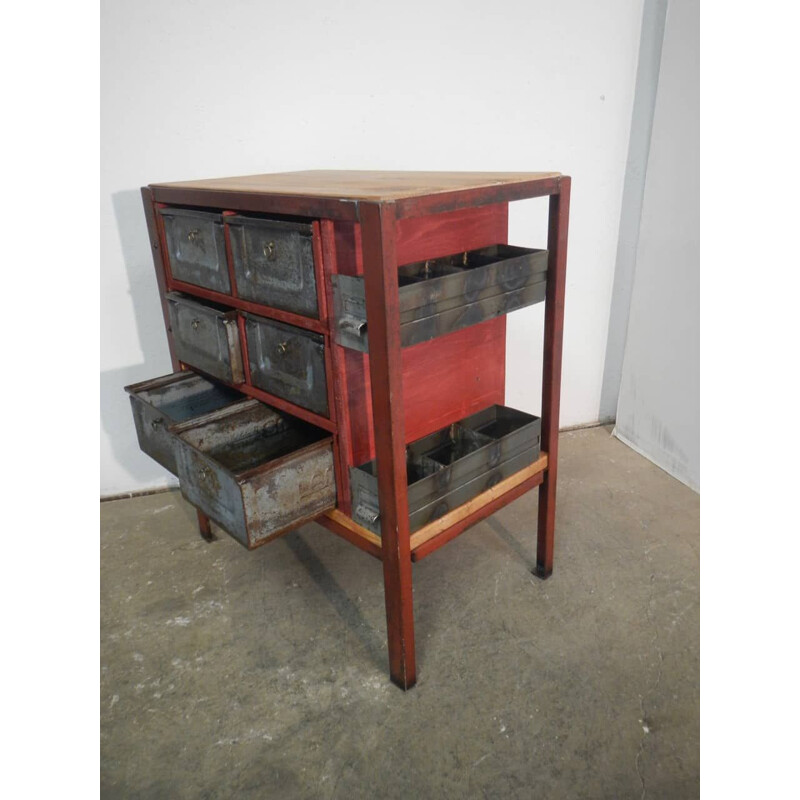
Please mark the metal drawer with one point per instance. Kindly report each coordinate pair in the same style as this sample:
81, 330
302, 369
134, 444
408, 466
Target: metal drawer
206, 336
453, 465
256, 472
288, 362
196, 248
273, 262
161, 402
442, 295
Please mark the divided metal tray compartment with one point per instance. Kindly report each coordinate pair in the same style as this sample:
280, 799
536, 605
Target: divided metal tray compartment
442, 295
288, 362
255, 471
451, 466
159, 403
206, 336
196, 247
273, 261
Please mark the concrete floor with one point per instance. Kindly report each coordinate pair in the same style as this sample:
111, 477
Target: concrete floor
263, 675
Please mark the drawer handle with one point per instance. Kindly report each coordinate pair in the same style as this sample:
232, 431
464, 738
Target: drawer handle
282, 348
352, 325
202, 473
195, 324
157, 423
269, 251
195, 236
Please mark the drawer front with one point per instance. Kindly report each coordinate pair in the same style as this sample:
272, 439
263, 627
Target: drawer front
212, 489
161, 402
301, 488
206, 338
274, 264
196, 248
255, 471
288, 362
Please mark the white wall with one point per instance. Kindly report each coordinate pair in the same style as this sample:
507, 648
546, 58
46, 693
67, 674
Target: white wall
659, 400
207, 89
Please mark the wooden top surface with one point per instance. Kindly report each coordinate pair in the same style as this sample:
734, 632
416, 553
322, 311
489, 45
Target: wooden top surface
354, 185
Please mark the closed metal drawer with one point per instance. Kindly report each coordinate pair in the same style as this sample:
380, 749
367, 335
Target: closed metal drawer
206, 336
256, 472
273, 262
442, 295
453, 465
161, 402
196, 248
288, 362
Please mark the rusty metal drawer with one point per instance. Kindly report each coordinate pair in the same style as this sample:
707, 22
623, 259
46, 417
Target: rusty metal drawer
273, 262
442, 295
453, 465
161, 402
196, 248
288, 362
255, 471
206, 336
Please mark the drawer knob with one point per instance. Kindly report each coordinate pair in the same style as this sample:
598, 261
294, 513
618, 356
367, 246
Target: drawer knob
195, 324
194, 236
282, 347
269, 251
202, 473
157, 423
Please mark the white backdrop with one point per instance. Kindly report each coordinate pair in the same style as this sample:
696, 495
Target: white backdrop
196, 89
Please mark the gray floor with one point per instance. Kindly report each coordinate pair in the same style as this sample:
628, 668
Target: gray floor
263, 675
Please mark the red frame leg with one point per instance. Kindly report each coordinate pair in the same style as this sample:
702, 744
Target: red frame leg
551, 374
204, 523
385, 365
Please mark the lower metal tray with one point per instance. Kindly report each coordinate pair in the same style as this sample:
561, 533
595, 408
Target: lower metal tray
453, 465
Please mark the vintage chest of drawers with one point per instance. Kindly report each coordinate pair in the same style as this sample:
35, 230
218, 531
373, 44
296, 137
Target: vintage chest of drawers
338, 340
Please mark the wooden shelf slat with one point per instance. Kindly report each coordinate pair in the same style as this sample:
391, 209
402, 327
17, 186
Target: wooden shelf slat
437, 533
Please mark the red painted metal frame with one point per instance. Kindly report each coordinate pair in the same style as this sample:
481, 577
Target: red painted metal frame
293, 205
383, 319
160, 262
551, 373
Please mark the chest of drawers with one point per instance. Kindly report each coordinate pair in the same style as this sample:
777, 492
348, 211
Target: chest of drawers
338, 341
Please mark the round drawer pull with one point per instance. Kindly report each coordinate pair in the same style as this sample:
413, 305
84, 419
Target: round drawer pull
157, 423
195, 324
282, 347
269, 251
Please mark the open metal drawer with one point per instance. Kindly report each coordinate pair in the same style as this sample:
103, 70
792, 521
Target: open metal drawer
255, 471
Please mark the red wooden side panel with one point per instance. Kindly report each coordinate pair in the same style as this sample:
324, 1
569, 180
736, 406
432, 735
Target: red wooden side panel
440, 385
